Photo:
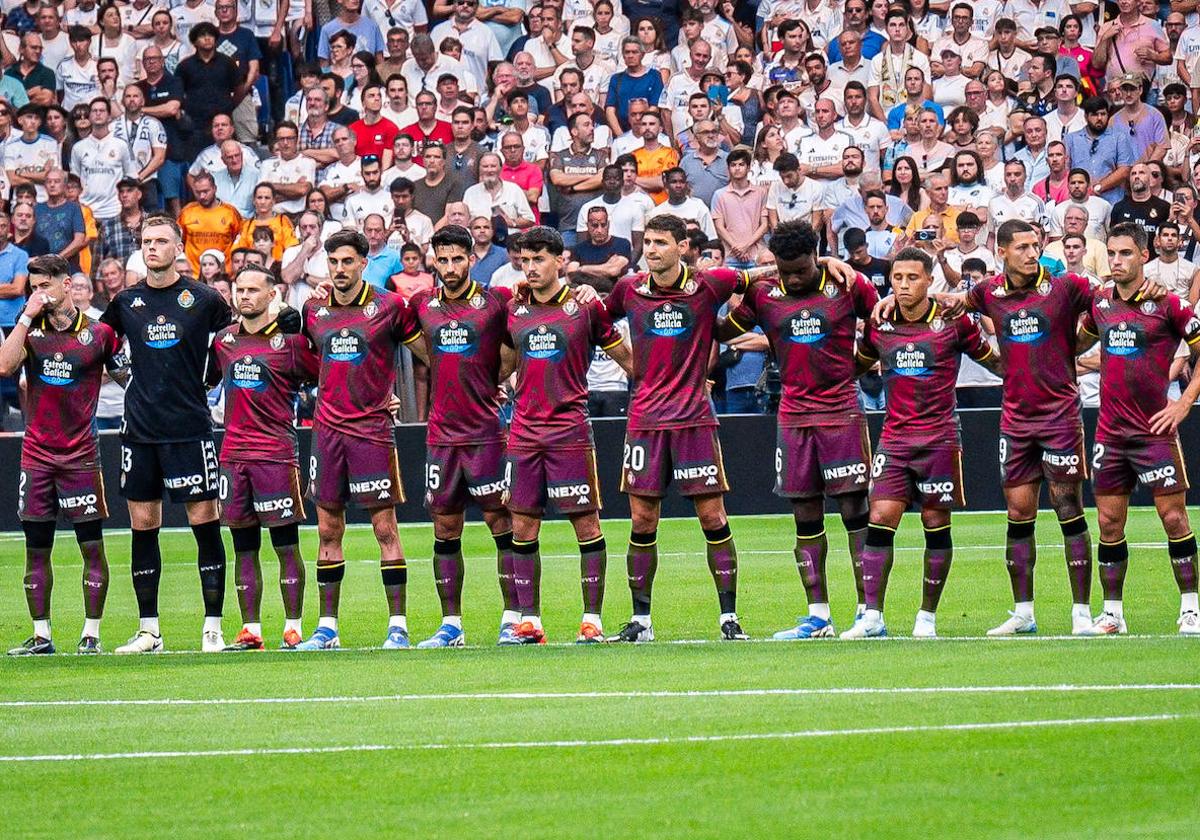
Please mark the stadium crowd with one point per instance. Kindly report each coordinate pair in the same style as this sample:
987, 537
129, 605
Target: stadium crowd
604, 153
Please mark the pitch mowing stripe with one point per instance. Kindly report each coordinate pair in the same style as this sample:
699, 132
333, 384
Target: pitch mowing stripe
1066, 688
605, 742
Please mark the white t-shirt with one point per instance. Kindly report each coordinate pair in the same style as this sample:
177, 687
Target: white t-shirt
799, 203
338, 174
479, 46
691, 208
1056, 129
1027, 207
100, 164
1175, 276
359, 205
276, 170
971, 195
39, 156
125, 53
624, 217
511, 200
143, 137
1098, 210
887, 72
872, 136
408, 14
186, 17
316, 268
950, 91
79, 84
815, 150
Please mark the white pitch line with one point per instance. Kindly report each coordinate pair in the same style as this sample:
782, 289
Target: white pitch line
603, 742
1065, 688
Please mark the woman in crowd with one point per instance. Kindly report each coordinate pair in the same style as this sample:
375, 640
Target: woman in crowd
768, 146
266, 216
173, 50
212, 266
362, 66
961, 127
114, 42
905, 183
658, 56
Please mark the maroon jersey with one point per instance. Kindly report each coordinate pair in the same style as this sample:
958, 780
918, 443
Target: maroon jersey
357, 344
262, 372
463, 336
812, 335
672, 333
1035, 327
920, 361
62, 374
1138, 340
554, 344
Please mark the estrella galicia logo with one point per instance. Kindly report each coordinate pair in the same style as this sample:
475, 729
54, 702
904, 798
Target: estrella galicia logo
248, 374
911, 360
1026, 326
162, 333
57, 370
670, 320
548, 343
806, 327
458, 337
345, 345
1124, 339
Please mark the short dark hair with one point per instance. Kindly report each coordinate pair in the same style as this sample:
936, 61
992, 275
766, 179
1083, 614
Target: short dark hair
739, 156
543, 238
1168, 224
256, 269
1131, 229
911, 254
344, 238
974, 264
1087, 176
786, 162
50, 265
1096, 104
1067, 236
201, 29
453, 235
667, 223
401, 184
793, 239
1009, 229
77, 34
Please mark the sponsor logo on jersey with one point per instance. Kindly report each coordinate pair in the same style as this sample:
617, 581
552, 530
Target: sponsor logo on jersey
545, 342
186, 299
381, 485
248, 374
487, 489
1068, 459
1165, 474
371, 309
1026, 326
277, 342
932, 488
1125, 339
669, 321
182, 481
284, 504
692, 473
851, 470
911, 360
806, 327
70, 502
57, 370
161, 334
566, 491
345, 346
455, 337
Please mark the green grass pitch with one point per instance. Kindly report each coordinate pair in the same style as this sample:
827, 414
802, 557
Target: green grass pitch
964, 737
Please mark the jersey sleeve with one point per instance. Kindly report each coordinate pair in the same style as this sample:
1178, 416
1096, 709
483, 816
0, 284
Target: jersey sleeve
971, 340
1081, 291
213, 372
221, 315
864, 296
745, 315
727, 282
306, 365
977, 297
1184, 321
407, 326
604, 334
112, 316
1087, 323
866, 350
615, 302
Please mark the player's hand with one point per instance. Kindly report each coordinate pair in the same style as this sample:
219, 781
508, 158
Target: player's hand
37, 304
841, 271
394, 406
952, 305
1154, 291
1166, 421
584, 294
883, 310
324, 289
521, 291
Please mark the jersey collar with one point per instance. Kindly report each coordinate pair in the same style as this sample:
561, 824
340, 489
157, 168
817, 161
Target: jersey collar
820, 286
679, 283
472, 290
557, 300
266, 332
363, 296
899, 318
1043, 275
76, 325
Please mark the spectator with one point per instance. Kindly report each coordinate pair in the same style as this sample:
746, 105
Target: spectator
25, 234
316, 132
1142, 206
575, 172
343, 177
367, 35
793, 196
1095, 254
28, 156
409, 226
625, 216
438, 188
37, 79
103, 160
635, 82
207, 223
146, 138
653, 158
77, 80
235, 182
372, 197
680, 202
210, 159
876, 270
504, 203
414, 278
291, 174
600, 259
706, 166
60, 220
740, 214
304, 265
374, 135
212, 82
486, 256
90, 228
427, 65
517, 170
383, 262
428, 126
1145, 126
403, 165
266, 215
463, 152
1102, 150
480, 46
122, 235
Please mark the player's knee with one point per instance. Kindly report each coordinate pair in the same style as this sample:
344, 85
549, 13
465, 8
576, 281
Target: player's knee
1112, 527
1067, 501
644, 521
587, 527
38, 535
1175, 522
145, 516
855, 509
200, 513
386, 532
935, 518
806, 510
90, 531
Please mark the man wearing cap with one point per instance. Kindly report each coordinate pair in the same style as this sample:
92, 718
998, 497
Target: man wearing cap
1145, 126
950, 90
1101, 150
972, 50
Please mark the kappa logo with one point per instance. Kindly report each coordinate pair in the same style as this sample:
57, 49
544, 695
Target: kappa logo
1165, 474
137, 303
195, 491
90, 509
381, 485
522, 310
36, 333
322, 312
228, 339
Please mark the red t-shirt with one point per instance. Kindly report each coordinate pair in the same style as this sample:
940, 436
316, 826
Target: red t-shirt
374, 139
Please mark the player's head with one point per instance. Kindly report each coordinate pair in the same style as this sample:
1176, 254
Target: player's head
912, 273
161, 242
1019, 248
452, 256
794, 245
663, 241
542, 257
50, 275
346, 252
1127, 252
255, 291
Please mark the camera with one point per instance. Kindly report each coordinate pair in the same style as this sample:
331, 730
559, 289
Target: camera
926, 235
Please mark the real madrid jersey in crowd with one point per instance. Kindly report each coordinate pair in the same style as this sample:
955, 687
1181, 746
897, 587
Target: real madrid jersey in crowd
169, 332
100, 164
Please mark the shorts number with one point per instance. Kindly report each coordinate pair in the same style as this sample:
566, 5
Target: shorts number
508, 473
223, 487
312, 469
778, 461
21, 491
877, 465
1097, 454
433, 476
635, 458
126, 459
1003, 450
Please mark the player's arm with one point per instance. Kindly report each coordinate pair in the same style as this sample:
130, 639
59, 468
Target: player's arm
736, 322
866, 355
212, 373
978, 348
1167, 419
508, 362
1086, 336
622, 354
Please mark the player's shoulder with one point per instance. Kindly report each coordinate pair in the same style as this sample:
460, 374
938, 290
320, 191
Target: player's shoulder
226, 335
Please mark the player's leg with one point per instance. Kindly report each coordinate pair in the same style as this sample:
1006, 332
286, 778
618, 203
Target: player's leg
810, 550
90, 536
394, 571
248, 581
527, 568
499, 522
1067, 501
142, 487
856, 517
721, 553
331, 569
641, 563
210, 560
39, 583
1181, 546
1112, 511
593, 563
448, 574
877, 559
939, 553
285, 539
1020, 552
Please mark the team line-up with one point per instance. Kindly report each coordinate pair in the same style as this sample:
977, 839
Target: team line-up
825, 323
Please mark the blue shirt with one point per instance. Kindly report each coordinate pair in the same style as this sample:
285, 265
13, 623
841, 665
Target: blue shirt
382, 267
59, 225
622, 88
12, 90
483, 269
872, 43
240, 193
706, 179
586, 253
13, 263
364, 29
1101, 155
896, 115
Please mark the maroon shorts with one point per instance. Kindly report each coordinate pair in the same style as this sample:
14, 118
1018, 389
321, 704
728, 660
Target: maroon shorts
1056, 455
563, 479
931, 476
691, 458
1155, 463
350, 470
822, 460
45, 492
455, 475
260, 493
